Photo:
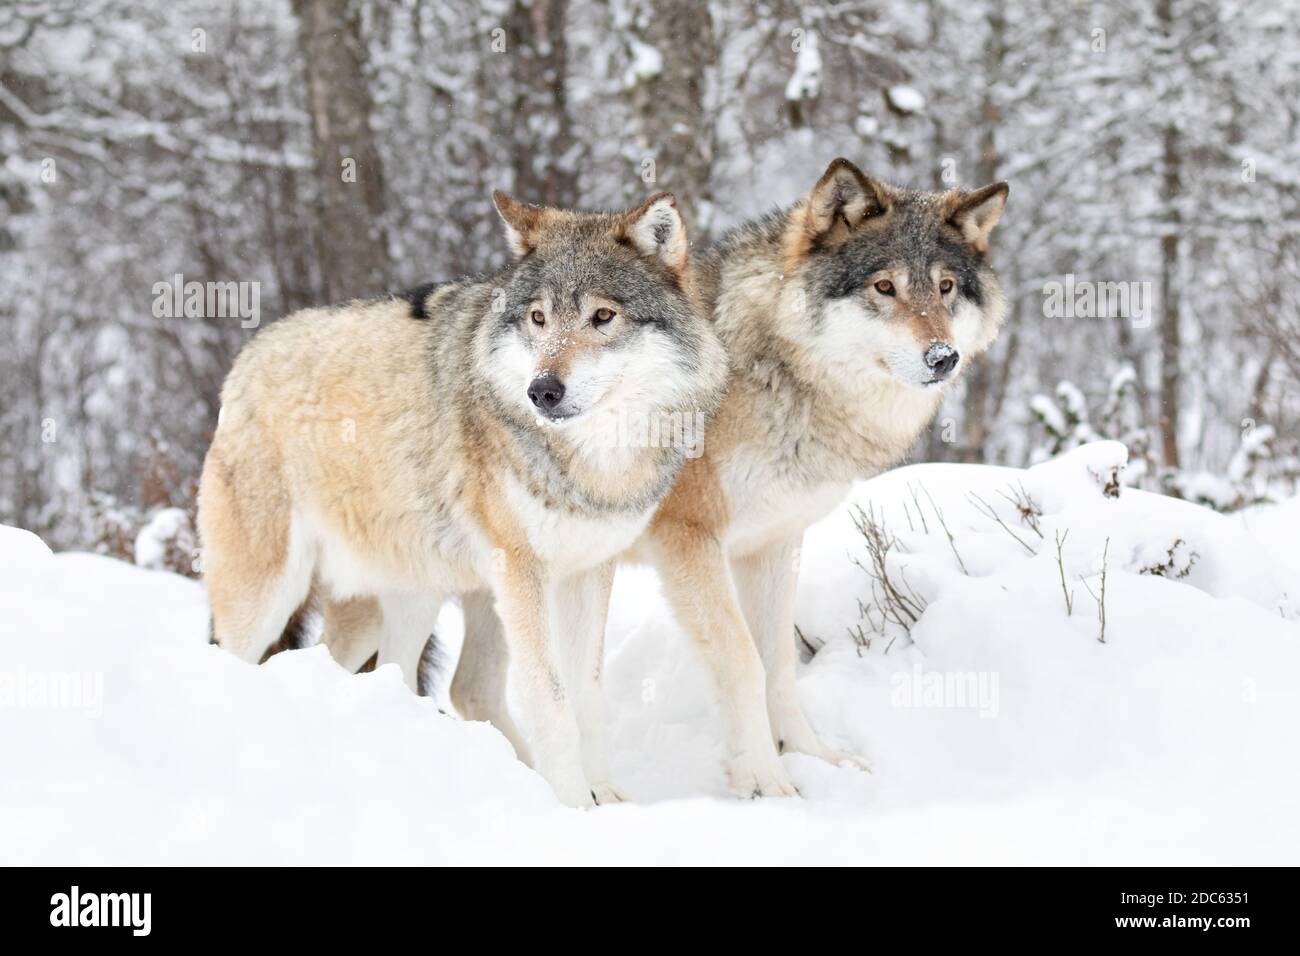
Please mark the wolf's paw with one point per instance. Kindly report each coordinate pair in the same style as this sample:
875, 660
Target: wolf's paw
794, 735
578, 800
840, 758
815, 748
754, 778
572, 790
606, 793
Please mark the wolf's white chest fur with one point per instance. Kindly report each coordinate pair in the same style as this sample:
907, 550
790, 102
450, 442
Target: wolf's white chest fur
568, 541
767, 508
777, 488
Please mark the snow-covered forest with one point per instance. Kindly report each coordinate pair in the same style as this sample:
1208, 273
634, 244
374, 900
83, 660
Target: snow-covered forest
301, 152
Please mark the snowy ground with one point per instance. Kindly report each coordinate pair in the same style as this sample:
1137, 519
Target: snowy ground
1002, 731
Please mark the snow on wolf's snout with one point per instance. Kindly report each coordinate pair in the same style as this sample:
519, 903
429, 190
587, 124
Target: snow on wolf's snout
898, 278
379, 456
588, 326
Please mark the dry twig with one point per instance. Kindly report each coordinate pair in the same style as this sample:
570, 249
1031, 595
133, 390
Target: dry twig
1101, 599
987, 509
1060, 563
952, 543
894, 600
919, 510
1021, 500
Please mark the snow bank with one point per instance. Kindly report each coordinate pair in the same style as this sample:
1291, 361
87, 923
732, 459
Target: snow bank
1197, 670
1001, 730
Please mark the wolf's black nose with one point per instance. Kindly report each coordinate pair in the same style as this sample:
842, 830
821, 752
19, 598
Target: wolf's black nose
941, 358
546, 391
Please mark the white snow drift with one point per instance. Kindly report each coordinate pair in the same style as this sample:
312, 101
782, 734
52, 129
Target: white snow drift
1001, 730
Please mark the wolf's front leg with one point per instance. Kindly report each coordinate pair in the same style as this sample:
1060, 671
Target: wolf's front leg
765, 582
694, 571
548, 711
579, 608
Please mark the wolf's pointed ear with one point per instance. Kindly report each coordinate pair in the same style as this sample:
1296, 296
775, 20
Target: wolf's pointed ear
655, 229
843, 198
523, 222
976, 213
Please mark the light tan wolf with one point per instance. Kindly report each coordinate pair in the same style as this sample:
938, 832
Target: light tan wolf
844, 318
466, 438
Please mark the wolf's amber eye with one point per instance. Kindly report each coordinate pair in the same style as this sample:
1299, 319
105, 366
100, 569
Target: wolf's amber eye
538, 317
602, 316
945, 286
885, 287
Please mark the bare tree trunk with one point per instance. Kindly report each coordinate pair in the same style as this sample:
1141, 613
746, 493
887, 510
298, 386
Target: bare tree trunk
979, 379
939, 140
1170, 334
351, 243
675, 129
1171, 186
543, 154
